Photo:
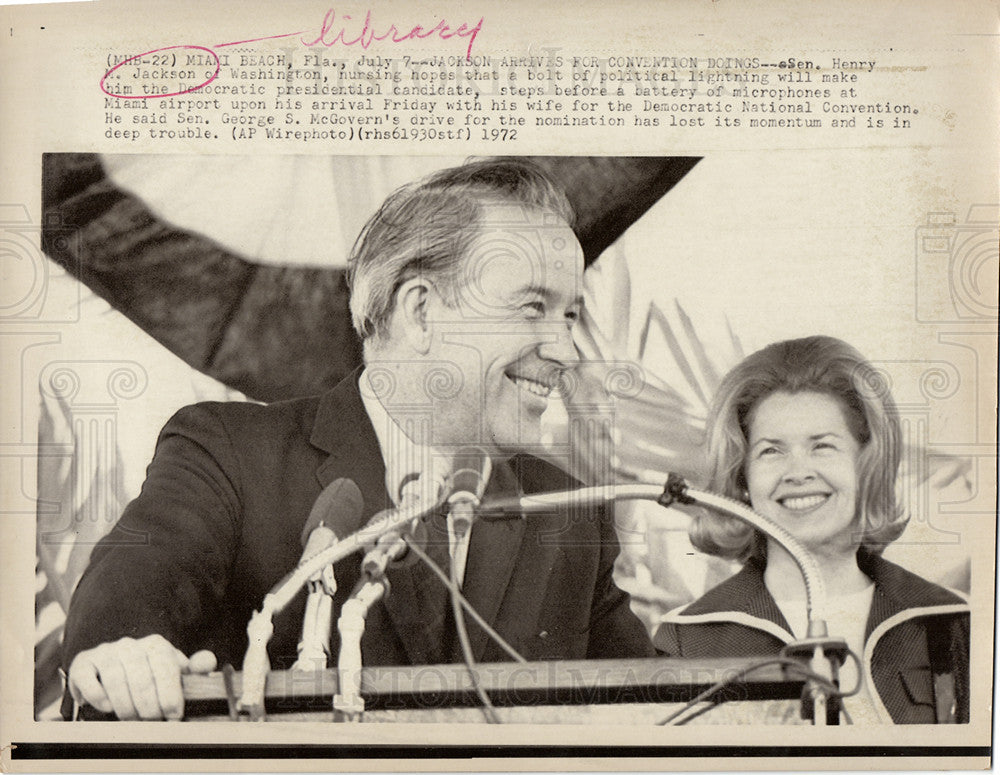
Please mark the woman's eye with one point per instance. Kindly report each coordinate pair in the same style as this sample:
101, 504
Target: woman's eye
768, 451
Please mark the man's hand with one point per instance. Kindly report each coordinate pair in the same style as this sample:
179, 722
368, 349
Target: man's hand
135, 679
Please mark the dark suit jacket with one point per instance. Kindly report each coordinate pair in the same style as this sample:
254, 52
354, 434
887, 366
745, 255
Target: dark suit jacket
219, 519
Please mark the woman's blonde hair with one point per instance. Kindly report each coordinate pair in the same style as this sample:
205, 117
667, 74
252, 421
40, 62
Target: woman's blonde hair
819, 364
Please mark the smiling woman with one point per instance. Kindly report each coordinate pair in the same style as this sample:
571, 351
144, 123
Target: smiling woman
806, 433
801, 471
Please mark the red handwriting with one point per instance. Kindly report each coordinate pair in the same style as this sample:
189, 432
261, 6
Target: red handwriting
327, 37
367, 36
143, 59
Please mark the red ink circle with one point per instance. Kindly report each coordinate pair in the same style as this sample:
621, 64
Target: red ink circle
218, 66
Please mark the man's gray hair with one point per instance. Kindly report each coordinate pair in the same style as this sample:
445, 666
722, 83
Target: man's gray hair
426, 229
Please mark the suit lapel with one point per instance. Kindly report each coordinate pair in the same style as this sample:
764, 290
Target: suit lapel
418, 602
414, 603
494, 547
343, 430
883, 606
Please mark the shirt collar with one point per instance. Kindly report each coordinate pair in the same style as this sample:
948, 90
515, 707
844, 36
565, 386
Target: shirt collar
403, 457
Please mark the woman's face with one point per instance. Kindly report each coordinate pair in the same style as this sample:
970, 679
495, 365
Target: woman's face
801, 469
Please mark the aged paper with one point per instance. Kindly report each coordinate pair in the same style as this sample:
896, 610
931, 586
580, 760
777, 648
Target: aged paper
840, 178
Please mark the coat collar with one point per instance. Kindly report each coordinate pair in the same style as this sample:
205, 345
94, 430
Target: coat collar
342, 430
745, 595
897, 590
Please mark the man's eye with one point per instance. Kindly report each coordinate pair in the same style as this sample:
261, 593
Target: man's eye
534, 308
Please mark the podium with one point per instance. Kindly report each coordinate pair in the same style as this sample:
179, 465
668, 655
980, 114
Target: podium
636, 691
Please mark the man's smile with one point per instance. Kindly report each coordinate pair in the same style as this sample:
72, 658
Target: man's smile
533, 386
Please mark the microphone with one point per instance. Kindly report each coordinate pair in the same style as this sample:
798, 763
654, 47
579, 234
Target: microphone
414, 492
518, 506
418, 489
675, 490
340, 504
471, 469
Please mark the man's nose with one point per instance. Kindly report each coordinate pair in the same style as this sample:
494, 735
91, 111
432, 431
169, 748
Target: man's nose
559, 346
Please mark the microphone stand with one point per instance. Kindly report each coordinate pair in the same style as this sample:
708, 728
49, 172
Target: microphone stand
314, 646
256, 663
823, 654
469, 483
348, 704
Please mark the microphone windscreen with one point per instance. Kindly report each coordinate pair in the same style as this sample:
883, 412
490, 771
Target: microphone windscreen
417, 479
422, 490
471, 469
338, 507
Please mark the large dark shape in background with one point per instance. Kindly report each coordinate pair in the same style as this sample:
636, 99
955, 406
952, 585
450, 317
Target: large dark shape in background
269, 331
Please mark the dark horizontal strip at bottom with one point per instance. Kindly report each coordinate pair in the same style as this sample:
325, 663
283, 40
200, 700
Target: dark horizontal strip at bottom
36, 751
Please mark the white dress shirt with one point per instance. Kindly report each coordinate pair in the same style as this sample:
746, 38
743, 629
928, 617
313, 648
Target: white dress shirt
403, 458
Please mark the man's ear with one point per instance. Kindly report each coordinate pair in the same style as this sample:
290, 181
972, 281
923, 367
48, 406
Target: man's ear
412, 300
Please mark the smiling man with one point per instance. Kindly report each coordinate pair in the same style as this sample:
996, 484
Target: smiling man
464, 290
485, 298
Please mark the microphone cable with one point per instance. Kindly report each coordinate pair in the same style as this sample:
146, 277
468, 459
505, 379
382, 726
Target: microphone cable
463, 638
476, 616
459, 602
789, 663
